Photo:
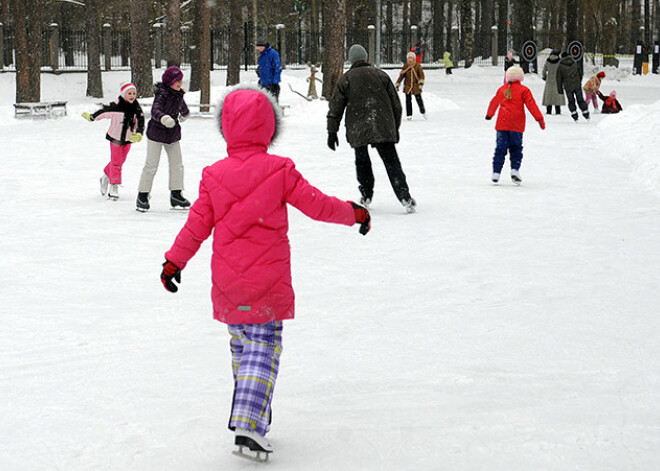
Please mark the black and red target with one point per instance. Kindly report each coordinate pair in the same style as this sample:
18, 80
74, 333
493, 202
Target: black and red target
529, 51
575, 50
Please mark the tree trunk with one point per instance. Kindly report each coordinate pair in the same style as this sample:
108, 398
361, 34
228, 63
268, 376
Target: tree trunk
235, 42
502, 23
94, 81
195, 53
467, 29
486, 25
27, 40
334, 28
438, 28
205, 56
173, 33
141, 70
524, 23
448, 36
571, 20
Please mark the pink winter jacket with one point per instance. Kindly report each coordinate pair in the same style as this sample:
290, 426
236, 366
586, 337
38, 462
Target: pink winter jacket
243, 200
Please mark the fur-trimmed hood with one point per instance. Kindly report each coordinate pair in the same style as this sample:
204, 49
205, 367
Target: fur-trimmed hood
248, 116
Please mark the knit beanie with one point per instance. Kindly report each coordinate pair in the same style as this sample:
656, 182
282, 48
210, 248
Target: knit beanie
125, 87
601, 74
515, 74
172, 75
356, 53
613, 94
262, 42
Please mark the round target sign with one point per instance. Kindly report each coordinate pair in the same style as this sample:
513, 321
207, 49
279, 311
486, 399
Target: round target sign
575, 50
529, 51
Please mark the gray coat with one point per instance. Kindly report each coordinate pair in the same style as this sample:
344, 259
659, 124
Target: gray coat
373, 108
550, 95
569, 75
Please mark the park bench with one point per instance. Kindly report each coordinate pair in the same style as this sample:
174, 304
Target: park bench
48, 109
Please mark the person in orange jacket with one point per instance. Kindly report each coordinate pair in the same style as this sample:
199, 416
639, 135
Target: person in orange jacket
511, 99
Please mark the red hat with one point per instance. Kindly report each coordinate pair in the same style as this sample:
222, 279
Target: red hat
601, 74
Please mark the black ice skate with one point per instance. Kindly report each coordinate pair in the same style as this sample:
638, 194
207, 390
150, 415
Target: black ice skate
142, 202
410, 204
252, 446
178, 201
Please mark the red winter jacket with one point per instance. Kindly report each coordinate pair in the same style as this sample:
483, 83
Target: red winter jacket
511, 116
243, 201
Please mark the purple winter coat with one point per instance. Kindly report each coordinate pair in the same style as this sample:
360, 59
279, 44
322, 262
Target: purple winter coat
166, 102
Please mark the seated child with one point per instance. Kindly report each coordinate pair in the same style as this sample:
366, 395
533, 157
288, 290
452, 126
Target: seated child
611, 104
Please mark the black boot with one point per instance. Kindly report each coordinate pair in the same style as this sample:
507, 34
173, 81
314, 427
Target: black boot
178, 201
549, 109
557, 109
142, 202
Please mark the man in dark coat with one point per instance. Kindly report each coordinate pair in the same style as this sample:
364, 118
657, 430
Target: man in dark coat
569, 79
373, 117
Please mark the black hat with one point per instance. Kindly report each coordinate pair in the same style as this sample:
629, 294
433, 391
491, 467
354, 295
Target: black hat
262, 42
565, 54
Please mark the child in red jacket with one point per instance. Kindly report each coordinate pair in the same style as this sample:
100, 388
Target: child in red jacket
511, 99
243, 201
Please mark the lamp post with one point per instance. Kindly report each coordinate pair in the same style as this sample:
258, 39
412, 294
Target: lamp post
301, 7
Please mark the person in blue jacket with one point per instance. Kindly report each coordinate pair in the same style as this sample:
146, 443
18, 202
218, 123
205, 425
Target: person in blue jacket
270, 68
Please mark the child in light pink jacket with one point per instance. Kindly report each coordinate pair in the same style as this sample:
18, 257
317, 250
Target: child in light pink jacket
243, 200
126, 127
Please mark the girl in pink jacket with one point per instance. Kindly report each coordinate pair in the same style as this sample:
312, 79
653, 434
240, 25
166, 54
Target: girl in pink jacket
126, 127
243, 201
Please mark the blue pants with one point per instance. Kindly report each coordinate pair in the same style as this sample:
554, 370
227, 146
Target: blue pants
510, 141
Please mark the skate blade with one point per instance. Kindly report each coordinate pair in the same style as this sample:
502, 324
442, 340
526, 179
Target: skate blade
141, 210
256, 456
113, 198
179, 208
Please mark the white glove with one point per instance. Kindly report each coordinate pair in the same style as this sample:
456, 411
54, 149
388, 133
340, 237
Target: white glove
167, 121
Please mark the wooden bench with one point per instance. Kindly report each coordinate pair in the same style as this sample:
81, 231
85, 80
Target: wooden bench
50, 109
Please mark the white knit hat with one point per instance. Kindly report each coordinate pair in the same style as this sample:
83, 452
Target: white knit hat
515, 74
126, 86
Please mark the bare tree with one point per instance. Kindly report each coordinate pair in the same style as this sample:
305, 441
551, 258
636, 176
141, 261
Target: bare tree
438, 27
571, 20
27, 15
173, 33
486, 25
94, 80
467, 30
334, 29
235, 42
141, 71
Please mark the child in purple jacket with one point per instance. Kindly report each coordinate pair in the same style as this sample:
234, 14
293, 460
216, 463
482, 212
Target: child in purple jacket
126, 128
168, 110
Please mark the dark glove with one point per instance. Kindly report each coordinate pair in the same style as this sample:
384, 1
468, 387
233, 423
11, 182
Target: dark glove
362, 216
170, 271
488, 118
333, 140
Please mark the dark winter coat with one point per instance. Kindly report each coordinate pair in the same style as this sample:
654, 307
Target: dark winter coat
610, 104
373, 108
166, 102
569, 75
550, 95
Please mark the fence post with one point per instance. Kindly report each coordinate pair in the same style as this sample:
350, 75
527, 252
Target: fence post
281, 42
158, 45
413, 35
493, 45
372, 43
107, 45
2, 46
54, 46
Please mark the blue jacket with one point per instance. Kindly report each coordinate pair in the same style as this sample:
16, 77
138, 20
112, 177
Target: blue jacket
270, 67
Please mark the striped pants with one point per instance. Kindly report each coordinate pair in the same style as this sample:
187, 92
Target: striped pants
256, 350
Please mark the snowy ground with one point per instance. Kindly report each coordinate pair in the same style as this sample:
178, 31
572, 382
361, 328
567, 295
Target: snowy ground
499, 328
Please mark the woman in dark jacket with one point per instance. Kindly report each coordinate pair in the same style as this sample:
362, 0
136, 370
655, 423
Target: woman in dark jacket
373, 117
164, 130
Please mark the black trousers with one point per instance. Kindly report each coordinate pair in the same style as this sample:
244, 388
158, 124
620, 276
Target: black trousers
365, 174
573, 97
420, 103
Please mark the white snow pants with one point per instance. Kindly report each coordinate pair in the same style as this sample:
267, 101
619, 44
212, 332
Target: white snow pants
151, 165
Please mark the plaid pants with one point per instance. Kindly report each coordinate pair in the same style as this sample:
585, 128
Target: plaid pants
256, 350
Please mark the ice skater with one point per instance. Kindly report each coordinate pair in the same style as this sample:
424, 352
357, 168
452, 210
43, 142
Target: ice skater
126, 128
164, 131
412, 76
591, 89
243, 201
511, 99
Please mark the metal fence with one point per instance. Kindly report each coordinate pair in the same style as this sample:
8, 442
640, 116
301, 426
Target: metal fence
66, 50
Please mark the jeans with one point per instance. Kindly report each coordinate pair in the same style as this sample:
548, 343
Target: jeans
510, 141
